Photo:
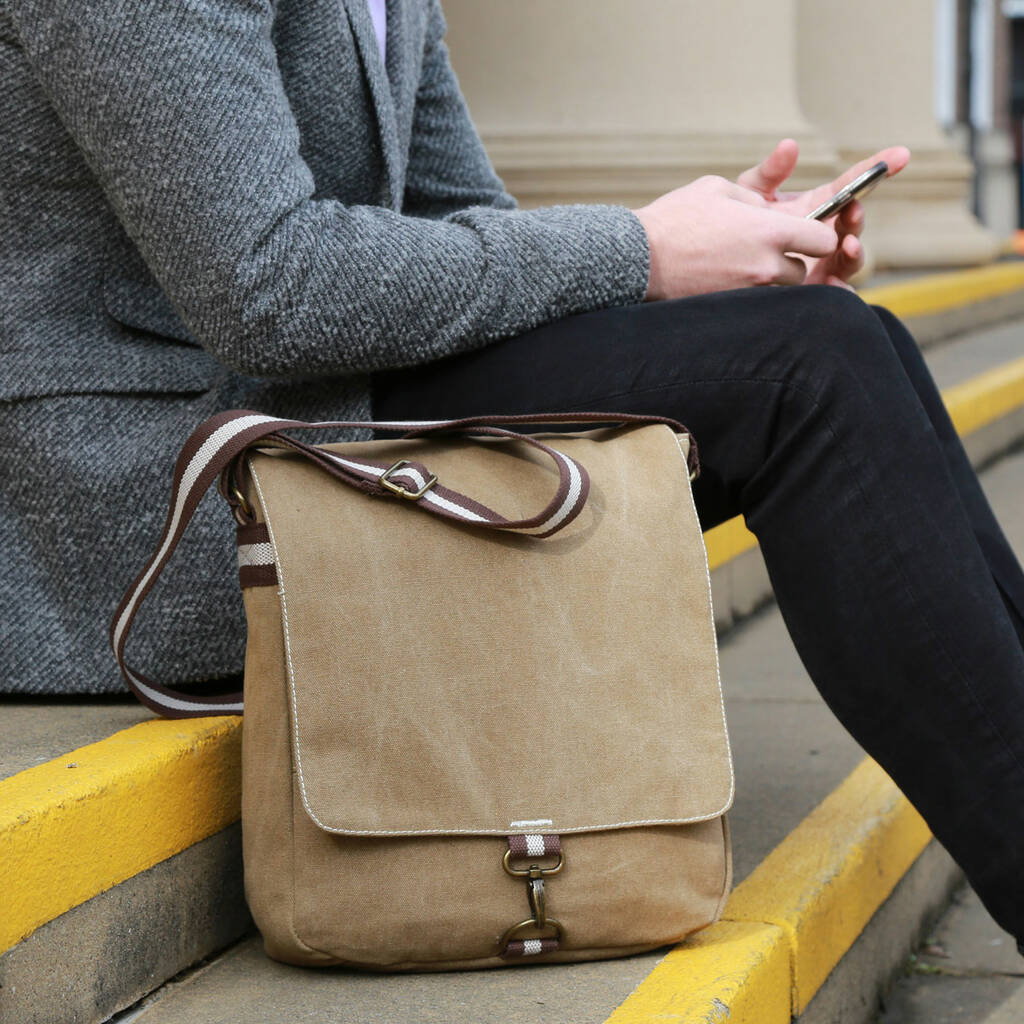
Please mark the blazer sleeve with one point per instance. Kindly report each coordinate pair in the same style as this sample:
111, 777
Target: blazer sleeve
180, 111
448, 169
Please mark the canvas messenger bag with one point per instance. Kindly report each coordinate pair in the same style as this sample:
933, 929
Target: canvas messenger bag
471, 736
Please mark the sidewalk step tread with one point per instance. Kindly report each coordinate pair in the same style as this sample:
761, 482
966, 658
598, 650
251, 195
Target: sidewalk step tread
974, 973
966, 356
934, 294
33, 732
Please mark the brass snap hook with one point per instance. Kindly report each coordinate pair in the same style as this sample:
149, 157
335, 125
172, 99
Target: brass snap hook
538, 904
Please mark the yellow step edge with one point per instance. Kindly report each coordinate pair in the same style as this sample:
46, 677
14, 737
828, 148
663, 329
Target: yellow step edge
985, 398
189, 769
789, 923
939, 293
77, 825
823, 883
727, 540
734, 971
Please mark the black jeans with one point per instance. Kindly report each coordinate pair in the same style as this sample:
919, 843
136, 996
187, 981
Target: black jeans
817, 420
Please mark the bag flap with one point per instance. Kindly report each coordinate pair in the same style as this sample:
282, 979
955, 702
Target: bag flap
450, 680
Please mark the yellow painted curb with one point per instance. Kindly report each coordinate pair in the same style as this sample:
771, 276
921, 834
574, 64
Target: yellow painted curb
789, 923
985, 398
823, 883
939, 293
77, 825
733, 971
727, 540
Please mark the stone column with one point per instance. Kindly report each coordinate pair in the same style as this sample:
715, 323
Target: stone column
866, 79
997, 189
596, 101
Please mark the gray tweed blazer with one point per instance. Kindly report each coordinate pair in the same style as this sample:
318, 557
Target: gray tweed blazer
216, 203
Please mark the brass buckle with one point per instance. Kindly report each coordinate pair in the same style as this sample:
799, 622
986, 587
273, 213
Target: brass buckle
534, 870
404, 492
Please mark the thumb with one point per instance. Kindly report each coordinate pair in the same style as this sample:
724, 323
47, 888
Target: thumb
771, 172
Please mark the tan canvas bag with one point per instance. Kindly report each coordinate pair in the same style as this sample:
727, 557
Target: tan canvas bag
470, 737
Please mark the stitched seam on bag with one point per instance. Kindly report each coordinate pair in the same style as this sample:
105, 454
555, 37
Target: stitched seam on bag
714, 634
578, 955
601, 827
304, 946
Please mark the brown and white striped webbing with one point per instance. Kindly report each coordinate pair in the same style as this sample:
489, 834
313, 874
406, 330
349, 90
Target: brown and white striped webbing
215, 445
533, 847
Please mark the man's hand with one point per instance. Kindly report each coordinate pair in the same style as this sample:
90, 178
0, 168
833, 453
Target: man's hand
766, 178
712, 235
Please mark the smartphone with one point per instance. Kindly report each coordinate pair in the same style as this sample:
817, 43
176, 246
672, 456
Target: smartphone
858, 187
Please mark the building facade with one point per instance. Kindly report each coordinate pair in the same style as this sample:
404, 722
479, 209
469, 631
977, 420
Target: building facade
603, 101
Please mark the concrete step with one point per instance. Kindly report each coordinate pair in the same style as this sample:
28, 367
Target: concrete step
109, 900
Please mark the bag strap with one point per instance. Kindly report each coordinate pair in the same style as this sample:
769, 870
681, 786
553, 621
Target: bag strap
217, 444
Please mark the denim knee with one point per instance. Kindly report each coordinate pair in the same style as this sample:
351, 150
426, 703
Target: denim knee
835, 338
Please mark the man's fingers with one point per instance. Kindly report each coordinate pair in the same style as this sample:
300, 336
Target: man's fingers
838, 282
841, 265
851, 219
809, 237
745, 195
896, 157
803, 203
791, 271
849, 257
771, 172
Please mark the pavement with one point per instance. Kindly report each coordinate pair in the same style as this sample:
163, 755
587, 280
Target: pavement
967, 970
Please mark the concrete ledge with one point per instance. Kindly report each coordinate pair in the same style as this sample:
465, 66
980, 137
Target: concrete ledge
77, 825
986, 398
852, 993
106, 953
930, 330
735, 971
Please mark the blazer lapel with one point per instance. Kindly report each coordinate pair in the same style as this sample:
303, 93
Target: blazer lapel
373, 67
405, 27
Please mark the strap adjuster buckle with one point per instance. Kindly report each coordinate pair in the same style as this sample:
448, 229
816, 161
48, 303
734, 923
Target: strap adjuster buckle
403, 492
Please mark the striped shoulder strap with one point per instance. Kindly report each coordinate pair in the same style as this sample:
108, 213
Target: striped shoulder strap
213, 450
